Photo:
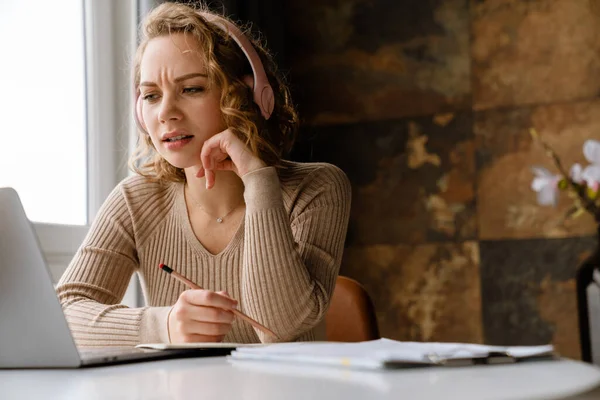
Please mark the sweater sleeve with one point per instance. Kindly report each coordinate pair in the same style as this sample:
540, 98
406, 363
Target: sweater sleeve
291, 264
96, 280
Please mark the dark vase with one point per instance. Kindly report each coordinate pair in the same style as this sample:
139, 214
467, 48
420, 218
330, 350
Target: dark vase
588, 305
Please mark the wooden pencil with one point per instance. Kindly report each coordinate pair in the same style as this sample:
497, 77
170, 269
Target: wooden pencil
236, 312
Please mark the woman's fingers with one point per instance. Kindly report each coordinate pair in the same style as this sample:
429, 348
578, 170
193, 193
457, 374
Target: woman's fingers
201, 316
211, 315
209, 298
225, 151
214, 160
221, 152
215, 150
204, 328
209, 174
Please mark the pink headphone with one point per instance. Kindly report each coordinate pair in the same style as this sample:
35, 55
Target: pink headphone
263, 92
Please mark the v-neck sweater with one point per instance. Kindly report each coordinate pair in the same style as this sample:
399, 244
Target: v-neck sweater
281, 264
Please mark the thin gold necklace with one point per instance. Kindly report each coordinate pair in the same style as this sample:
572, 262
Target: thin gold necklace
218, 219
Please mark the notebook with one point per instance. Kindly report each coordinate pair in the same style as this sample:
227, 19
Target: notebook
387, 353
197, 346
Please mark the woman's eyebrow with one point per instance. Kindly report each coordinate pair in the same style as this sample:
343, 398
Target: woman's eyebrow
178, 79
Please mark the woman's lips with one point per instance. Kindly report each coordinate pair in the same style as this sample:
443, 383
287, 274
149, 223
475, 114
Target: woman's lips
176, 144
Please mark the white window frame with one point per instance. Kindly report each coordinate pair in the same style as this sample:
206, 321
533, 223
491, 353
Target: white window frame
110, 40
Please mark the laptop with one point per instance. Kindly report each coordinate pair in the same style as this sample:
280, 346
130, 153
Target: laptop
33, 329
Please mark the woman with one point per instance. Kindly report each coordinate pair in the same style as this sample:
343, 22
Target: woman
213, 199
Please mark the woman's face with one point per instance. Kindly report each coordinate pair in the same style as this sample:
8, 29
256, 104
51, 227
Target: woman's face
178, 108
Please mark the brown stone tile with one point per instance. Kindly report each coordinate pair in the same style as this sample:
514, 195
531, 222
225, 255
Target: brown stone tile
412, 180
424, 293
506, 205
355, 61
534, 52
528, 291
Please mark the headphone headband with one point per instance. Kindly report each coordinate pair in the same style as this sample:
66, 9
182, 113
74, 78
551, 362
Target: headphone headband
263, 92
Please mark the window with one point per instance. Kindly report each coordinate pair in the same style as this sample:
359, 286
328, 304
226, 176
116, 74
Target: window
43, 134
66, 131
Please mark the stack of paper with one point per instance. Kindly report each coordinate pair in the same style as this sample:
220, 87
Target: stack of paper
386, 353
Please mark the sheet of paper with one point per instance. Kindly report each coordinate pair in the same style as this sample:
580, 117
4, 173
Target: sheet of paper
382, 352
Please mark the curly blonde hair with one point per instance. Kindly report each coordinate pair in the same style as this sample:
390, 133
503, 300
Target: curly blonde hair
226, 64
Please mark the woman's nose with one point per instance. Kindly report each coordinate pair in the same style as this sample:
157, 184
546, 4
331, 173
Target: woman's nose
169, 109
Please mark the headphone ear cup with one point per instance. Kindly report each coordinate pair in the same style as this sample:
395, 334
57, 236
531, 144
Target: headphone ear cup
268, 101
138, 114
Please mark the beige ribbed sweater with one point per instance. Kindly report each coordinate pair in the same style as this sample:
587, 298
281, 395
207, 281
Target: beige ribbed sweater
281, 265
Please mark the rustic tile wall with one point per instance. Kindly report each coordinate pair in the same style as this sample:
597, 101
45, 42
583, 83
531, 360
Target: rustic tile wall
426, 104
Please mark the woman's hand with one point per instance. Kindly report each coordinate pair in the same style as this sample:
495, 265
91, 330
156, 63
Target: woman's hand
226, 152
200, 316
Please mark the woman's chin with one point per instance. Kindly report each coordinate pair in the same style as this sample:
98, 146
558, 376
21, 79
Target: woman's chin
181, 159
180, 162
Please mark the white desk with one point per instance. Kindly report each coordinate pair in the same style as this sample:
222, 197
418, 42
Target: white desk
218, 378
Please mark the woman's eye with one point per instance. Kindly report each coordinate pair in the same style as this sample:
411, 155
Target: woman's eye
149, 97
195, 89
